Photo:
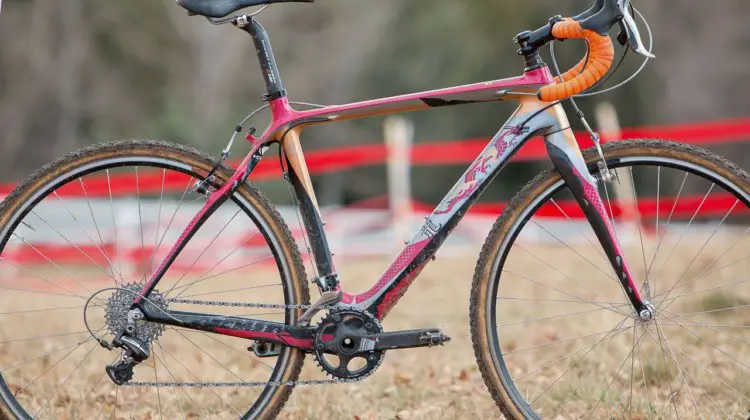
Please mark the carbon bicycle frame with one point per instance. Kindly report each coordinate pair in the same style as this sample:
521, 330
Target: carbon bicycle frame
533, 117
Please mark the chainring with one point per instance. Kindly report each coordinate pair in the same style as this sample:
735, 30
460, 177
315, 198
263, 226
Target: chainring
347, 334
118, 305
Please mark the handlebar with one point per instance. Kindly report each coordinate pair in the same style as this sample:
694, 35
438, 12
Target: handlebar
588, 71
593, 25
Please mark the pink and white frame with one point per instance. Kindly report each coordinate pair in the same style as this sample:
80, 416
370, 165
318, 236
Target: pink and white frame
533, 117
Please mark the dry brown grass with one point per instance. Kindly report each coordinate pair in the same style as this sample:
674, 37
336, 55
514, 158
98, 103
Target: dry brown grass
436, 383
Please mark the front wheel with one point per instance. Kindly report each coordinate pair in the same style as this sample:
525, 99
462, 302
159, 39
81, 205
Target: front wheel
553, 331
98, 222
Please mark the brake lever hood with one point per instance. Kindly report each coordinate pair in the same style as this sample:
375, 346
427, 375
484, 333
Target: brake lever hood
628, 26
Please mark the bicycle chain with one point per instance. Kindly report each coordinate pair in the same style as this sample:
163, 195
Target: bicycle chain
303, 382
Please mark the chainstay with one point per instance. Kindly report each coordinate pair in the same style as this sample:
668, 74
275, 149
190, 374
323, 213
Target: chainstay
253, 384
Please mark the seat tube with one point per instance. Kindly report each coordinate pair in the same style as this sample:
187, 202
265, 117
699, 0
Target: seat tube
271, 76
299, 177
566, 155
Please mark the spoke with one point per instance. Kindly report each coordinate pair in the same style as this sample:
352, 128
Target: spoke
117, 398
682, 234
117, 242
99, 233
694, 280
158, 394
158, 221
717, 310
73, 414
580, 231
640, 227
41, 292
53, 263
679, 367
658, 186
565, 402
698, 336
705, 271
85, 232
207, 354
557, 300
205, 273
199, 379
42, 336
132, 406
574, 251
632, 362
617, 330
74, 246
673, 298
44, 310
47, 370
691, 378
65, 381
528, 321
243, 353
222, 273
645, 380
613, 308
669, 378
45, 355
666, 228
567, 277
611, 338
230, 290
701, 249
561, 341
195, 261
163, 361
699, 325
169, 224
609, 385
140, 218
101, 409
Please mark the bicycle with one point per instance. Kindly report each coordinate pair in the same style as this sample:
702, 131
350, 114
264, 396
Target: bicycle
349, 343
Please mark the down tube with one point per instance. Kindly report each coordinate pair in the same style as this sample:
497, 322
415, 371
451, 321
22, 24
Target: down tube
418, 252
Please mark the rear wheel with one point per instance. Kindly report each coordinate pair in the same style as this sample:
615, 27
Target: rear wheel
103, 218
553, 332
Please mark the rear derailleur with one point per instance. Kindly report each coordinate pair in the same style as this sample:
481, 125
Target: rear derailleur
136, 351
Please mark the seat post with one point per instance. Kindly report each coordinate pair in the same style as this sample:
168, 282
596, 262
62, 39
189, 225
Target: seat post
271, 76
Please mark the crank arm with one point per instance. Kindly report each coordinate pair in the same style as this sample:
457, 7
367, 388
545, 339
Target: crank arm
410, 339
301, 337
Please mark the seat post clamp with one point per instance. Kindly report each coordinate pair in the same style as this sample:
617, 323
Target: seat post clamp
266, 97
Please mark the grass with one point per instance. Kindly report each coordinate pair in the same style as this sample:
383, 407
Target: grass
435, 383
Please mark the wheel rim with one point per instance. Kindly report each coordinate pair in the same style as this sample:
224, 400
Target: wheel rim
59, 368
560, 354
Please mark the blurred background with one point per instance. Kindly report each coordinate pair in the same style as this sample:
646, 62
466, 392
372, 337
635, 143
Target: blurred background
78, 72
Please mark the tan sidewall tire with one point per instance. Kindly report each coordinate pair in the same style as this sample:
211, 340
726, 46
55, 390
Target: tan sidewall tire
502, 228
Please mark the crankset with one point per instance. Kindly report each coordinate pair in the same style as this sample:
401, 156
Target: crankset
356, 339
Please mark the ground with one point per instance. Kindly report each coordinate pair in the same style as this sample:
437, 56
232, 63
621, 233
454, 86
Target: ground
429, 383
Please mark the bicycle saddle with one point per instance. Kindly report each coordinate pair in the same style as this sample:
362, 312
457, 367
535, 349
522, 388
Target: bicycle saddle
221, 8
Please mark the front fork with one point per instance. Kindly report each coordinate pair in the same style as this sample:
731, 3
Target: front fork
566, 155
